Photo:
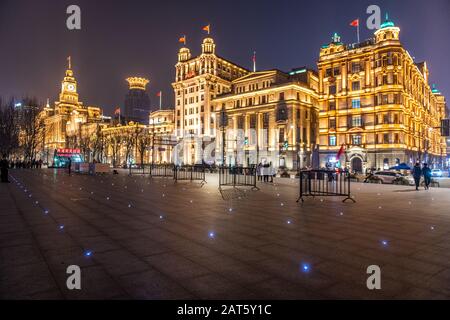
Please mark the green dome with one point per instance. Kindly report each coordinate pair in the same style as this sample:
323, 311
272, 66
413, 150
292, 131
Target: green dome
387, 23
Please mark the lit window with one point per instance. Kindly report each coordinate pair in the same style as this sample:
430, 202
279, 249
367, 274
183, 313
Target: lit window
357, 139
332, 140
356, 121
356, 103
355, 85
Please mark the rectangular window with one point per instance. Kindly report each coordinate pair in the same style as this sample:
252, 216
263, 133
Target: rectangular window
281, 135
332, 89
266, 120
356, 67
336, 71
332, 140
356, 139
356, 121
355, 85
332, 123
356, 103
386, 138
332, 105
281, 96
328, 72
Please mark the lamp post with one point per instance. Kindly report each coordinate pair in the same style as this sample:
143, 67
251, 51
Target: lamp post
223, 125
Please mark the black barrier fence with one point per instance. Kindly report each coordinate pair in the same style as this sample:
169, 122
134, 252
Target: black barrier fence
139, 169
190, 173
162, 170
324, 183
237, 176
154, 170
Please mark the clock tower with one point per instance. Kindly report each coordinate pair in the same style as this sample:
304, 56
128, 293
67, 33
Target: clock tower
69, 93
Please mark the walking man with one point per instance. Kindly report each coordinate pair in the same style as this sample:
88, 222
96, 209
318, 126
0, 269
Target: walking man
417, 173
426, 175
69, 165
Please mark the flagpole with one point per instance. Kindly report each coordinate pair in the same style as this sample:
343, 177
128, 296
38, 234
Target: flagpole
160, 100
357, 30
254, 61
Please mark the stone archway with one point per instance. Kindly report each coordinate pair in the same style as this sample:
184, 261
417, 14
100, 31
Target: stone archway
356, 165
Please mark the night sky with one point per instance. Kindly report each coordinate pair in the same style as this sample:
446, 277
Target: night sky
140, 38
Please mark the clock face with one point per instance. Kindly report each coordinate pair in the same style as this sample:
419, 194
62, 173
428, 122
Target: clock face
70, 87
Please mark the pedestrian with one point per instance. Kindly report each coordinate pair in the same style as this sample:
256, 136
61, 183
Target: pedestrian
69, 166
426, 171
271, 171
258, 171
4, 170
417, 173
265, 172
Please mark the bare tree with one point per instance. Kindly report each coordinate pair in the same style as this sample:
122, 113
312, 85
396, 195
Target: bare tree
9, 128
31, 126
143, 142
97, 144
113, 143
128, 140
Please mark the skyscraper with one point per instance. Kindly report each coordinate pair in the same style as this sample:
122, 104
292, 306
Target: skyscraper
137, 101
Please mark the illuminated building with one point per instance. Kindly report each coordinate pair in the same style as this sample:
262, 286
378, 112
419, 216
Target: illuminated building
161, 128
126, 144
137, 101
376, 101
197, 81
272, 117
62, 122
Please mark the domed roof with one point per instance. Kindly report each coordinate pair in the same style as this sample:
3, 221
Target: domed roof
184, 49
387, 23
208, 40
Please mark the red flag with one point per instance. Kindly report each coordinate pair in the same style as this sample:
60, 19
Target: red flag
340, 152
182, 39
355, 23
117, 111
159, 94
207, 28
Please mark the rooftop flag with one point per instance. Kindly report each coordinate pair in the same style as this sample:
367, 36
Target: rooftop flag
355, 23
182, 39
207, 28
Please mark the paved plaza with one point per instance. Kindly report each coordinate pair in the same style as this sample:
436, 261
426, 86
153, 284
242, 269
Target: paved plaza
140, 238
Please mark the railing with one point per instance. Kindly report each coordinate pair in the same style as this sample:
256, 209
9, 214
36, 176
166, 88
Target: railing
189, 173
161, 170
237, 176
324, 183
139, 169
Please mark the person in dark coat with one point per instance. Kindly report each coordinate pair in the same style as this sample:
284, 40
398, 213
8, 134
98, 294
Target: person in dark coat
426, 171
69, 166
4, 170
417, 173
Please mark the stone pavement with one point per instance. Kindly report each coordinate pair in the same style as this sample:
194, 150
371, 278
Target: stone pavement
154, 239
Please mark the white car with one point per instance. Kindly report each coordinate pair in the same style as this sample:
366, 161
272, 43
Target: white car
436, 173
386, 176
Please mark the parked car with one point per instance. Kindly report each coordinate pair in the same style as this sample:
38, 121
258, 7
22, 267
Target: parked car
387, 176
436, 173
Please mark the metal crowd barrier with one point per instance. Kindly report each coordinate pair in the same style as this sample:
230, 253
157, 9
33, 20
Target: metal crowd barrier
324, 183
139, 169
237, 176
162, 170
190, 173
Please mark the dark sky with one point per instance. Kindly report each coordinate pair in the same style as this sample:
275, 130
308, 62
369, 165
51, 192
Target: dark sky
140, 38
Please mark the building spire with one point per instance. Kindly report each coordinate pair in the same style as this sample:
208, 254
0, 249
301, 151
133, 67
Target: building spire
69, 62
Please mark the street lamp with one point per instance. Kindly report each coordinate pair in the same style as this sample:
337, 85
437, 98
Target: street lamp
223, 125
